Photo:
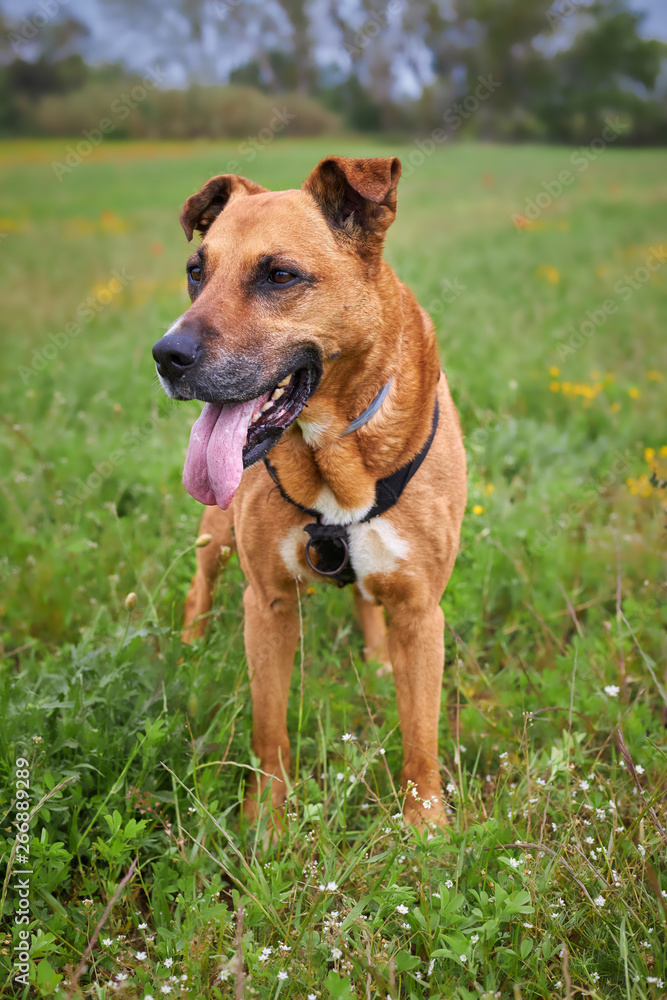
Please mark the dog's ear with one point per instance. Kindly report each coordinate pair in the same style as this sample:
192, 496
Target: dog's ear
202, 208
357, 197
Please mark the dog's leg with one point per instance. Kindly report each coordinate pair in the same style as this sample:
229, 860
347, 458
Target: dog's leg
374, 627
271, 636
210, 560
417, 651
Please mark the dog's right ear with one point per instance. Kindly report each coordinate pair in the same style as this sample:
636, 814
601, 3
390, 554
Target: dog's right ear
201, 209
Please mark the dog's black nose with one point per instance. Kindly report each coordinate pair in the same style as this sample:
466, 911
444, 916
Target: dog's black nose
174, 353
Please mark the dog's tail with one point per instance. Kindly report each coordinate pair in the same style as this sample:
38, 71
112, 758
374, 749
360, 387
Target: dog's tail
211, 558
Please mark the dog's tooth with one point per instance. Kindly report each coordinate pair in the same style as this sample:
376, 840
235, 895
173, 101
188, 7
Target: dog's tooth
284, 381
255, 417
278, 393
267, 406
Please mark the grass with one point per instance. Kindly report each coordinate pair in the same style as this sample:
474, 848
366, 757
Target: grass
553, 881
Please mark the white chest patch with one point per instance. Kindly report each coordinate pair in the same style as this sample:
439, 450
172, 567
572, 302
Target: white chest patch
291, 547
333, 513
375, 547
313, 430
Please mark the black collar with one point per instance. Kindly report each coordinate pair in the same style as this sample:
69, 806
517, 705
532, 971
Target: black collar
331, 541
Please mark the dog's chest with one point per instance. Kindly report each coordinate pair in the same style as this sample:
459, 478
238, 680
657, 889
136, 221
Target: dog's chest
376, 546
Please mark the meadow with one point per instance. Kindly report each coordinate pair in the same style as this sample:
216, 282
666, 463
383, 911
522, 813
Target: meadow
552, 880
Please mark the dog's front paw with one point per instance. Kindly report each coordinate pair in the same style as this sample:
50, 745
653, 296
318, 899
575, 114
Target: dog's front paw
424, 805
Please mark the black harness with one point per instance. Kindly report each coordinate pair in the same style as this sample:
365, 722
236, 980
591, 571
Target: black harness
331, 541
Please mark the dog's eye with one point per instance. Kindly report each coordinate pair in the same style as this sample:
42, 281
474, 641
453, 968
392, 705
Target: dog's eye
195, 273
281, 277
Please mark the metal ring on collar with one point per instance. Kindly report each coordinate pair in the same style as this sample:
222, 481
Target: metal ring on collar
329, 572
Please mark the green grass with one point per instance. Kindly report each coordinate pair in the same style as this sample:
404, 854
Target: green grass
556, 610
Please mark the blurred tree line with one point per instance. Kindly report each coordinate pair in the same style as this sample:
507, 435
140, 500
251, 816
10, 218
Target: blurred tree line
549, 70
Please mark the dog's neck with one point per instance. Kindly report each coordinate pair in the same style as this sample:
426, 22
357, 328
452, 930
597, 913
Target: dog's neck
335, 473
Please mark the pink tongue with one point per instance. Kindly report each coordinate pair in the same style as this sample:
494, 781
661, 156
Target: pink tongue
214, 462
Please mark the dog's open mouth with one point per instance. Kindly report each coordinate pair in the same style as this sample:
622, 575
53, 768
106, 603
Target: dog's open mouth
230, 437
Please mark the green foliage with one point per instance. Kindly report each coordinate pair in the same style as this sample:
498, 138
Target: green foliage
137, 748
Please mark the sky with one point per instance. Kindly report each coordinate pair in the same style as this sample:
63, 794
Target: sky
656, 22
111, 42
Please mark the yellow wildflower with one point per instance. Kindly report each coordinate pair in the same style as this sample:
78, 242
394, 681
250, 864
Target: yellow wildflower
634, 392
639, 487
478, 509
615, 407
552, 274
554, 386
489, 489
649, 454
13, 225
554, 371
655, 376
663, 451
112, 223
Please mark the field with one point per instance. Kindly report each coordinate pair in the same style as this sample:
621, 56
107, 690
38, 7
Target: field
550, 309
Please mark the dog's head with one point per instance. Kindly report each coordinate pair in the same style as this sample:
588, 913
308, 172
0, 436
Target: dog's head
282, 287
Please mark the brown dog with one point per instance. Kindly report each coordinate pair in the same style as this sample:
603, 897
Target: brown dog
297, 327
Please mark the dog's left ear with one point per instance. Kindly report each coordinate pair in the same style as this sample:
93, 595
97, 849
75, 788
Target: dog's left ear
201, 209
357, 197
